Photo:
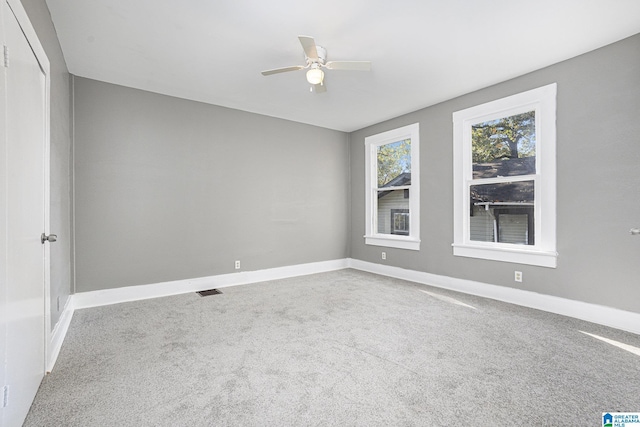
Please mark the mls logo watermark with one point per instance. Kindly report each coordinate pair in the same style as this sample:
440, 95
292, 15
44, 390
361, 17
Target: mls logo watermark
621, 419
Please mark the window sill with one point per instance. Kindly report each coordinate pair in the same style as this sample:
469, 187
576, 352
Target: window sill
400, 242
508, 254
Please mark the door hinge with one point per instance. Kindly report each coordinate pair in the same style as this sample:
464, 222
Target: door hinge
6, 56
5, 396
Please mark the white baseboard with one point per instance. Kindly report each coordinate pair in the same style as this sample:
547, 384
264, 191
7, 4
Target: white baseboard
140, 292
602, 315
607, 316
59, 333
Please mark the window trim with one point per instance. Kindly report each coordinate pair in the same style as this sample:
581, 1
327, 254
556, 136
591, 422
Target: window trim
543, 252
372, 237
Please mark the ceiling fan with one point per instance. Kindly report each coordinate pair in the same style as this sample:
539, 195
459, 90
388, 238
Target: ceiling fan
315, 58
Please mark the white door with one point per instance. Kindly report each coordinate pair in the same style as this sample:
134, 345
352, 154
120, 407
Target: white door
25, 210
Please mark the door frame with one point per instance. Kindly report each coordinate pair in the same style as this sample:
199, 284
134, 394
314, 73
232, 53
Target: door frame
21, 16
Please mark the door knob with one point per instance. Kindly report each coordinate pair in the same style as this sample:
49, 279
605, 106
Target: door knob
50, 238
635, 231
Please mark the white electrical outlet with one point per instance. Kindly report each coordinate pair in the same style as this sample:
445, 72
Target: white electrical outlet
237, 265
384, 255
518, 276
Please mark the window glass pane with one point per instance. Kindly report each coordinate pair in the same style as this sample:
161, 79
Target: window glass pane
400, 221
394, 164
512, 193
502, 213
481, 224
513, 228
504, 147
393, 212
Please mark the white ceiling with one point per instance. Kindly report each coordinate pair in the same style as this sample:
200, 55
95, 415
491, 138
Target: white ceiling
423, 51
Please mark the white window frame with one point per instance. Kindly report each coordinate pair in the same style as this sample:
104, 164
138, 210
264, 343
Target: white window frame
372, 237
543, 252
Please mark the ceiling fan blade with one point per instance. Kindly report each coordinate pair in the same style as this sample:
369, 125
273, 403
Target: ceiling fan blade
282, 70
349, 65
319, 88
309, 46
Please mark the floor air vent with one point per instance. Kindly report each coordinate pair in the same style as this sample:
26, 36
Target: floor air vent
208, 292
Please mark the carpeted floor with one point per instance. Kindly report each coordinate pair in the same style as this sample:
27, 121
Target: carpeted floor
343, 348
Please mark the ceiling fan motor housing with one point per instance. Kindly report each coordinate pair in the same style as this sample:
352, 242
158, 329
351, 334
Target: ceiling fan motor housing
322, 56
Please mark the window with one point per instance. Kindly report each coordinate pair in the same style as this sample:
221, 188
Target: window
392, 182
504, 179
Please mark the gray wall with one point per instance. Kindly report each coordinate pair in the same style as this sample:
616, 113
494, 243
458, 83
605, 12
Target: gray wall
170, 189
598, 185
61, 165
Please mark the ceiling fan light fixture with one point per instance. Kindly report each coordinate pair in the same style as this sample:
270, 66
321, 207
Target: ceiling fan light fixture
315, 76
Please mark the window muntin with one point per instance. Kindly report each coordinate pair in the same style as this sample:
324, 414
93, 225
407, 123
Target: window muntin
392, 181
504, 173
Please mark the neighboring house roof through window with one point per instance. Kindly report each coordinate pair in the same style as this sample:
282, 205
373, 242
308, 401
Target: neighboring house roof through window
402, 179
519, 192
